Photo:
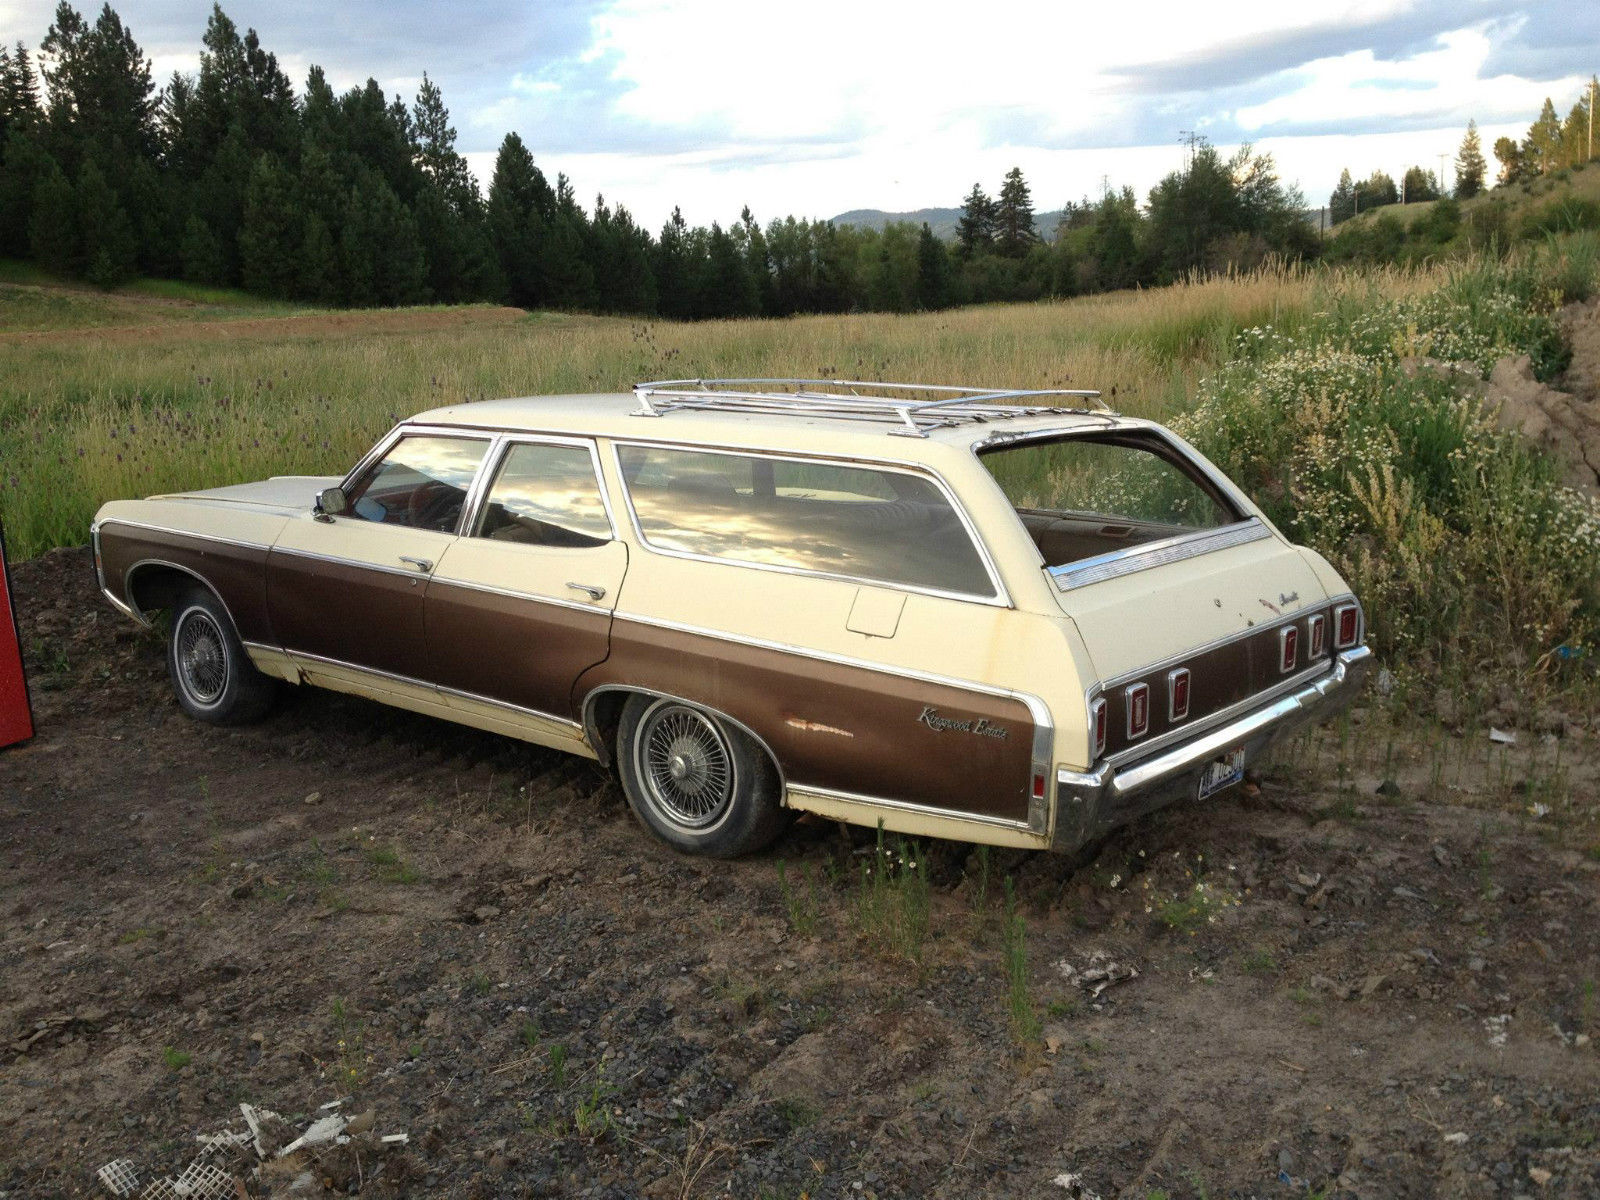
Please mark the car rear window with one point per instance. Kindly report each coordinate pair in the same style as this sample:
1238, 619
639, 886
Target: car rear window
859, 522
1082, 497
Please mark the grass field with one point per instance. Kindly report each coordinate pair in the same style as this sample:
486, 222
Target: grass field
107, 396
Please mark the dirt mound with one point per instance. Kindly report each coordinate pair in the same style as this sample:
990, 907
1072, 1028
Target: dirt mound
1566, 426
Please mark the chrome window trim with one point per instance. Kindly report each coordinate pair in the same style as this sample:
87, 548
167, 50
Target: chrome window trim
418, 683
1001, 597
927, 810
1161, 553
1044, 730
472, 514
403, 430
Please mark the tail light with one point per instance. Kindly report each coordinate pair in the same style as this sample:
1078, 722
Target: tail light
1097, 726
1346, 626
1288, 648
1178, 694
1318, 626
1138, 702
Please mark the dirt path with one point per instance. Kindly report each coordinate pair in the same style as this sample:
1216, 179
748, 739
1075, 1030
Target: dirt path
1369, 996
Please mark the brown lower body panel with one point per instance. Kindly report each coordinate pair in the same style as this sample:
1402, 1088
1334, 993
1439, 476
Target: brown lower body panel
349, 613
236, 573
844, 728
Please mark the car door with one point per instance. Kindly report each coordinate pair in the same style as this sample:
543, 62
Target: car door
348, 590
521, 604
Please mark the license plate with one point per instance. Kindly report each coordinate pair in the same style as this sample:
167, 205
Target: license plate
1226, 771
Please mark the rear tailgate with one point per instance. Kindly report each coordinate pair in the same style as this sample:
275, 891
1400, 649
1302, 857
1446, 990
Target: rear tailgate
1220, 616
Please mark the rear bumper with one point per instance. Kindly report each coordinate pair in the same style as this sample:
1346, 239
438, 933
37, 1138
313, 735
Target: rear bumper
1090, 804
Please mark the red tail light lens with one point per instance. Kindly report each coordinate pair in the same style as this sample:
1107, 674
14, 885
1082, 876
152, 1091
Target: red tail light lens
1288, 648
1178, 694
1138, 702
1318, 626
1347, 626
1097, 724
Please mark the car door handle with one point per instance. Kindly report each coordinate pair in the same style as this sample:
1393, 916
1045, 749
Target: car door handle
588, 589
425, 565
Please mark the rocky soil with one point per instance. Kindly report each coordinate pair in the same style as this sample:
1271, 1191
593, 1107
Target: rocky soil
1350, 982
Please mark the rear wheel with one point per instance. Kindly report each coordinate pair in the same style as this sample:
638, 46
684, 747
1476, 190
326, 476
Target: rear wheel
213, 677
697, 781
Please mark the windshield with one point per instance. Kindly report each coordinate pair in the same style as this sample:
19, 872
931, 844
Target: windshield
1082, 497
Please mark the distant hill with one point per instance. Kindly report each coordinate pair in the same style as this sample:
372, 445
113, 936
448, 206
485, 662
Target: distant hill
941, 220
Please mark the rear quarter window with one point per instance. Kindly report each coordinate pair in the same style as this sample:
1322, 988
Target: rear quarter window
859, 522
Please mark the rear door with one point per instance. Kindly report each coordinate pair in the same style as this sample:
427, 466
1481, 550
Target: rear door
521, 605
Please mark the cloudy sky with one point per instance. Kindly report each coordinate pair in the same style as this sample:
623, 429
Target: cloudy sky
817, 107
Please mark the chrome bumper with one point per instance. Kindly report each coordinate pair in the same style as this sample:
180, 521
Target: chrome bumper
1091, 804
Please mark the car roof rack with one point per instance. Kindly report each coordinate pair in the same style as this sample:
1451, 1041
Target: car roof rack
911, 408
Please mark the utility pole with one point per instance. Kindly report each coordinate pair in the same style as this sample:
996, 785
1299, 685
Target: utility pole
1188, 137
1442, 157
1592, 83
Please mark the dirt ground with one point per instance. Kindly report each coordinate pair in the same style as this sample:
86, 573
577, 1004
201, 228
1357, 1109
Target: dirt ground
1340, 990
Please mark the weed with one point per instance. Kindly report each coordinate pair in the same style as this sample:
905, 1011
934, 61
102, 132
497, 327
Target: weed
530, 1033
134, 936
979, 894
796, 1112
591, 1118
1025, 1028
1058, 1010
480, 984
351, 1067
892, 901
1194, 909
804, 909
175, 1059
1259, 962
392, 865
558, 1065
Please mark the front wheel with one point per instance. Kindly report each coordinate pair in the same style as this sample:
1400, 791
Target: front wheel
695, 780
212, 675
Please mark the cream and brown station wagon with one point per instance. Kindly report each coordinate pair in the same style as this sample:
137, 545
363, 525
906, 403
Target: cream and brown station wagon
1000, 616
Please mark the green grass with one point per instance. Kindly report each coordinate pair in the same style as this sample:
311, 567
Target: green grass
1025, 1024
893, 898
175, 1059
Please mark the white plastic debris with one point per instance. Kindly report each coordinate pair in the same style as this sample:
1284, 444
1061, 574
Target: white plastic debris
1072, 1183
1100, 974
161, 1189
262, 1123
395, 1139
1456, 1139
204, 1181
1496, 1027
319, 1133
119, 1177
216, 1143
1502, 738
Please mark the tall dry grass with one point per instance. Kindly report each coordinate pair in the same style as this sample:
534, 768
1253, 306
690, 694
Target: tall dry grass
89, 415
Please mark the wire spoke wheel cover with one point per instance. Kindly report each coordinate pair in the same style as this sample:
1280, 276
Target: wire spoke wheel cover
686, 766
201, 657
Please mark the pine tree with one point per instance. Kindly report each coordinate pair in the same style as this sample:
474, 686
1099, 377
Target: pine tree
933, 270
270, 235
1470, 167
106, 243
1509, 155
19, 95
24, 164
1542, 151
53, 228
975, 229
200, 254
1013, 217
436, 149
519, 199
1342, 203
1419, 185
1377, 190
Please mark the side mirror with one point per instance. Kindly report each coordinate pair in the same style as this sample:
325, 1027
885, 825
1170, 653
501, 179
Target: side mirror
331, 502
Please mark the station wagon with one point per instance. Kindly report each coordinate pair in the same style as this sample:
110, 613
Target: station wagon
1005, 617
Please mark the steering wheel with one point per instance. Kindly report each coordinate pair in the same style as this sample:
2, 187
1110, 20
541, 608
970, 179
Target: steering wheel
430, 504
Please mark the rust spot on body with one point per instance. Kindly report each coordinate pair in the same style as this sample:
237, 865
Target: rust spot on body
815, 727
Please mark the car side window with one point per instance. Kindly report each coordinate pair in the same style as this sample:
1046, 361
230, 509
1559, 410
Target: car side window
421, 483
546, 495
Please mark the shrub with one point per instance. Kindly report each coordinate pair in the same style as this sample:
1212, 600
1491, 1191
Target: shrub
1469, 555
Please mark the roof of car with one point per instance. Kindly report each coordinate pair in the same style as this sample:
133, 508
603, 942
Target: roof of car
877, 427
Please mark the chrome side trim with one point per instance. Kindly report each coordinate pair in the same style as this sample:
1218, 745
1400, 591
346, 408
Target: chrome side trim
1156, 554
410, 573
323, 660
201, 537
508, 593
591, 731
1043, 723
1000, 599
923, 810
100, 578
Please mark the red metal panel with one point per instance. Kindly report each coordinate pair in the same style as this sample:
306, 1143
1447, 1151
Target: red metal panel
16, 718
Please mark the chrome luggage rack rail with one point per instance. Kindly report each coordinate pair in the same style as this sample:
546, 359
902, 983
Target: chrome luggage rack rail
912, 408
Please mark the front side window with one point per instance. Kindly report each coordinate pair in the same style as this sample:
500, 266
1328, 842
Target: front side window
421, 483
546, 495
1086, 496
867, 523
